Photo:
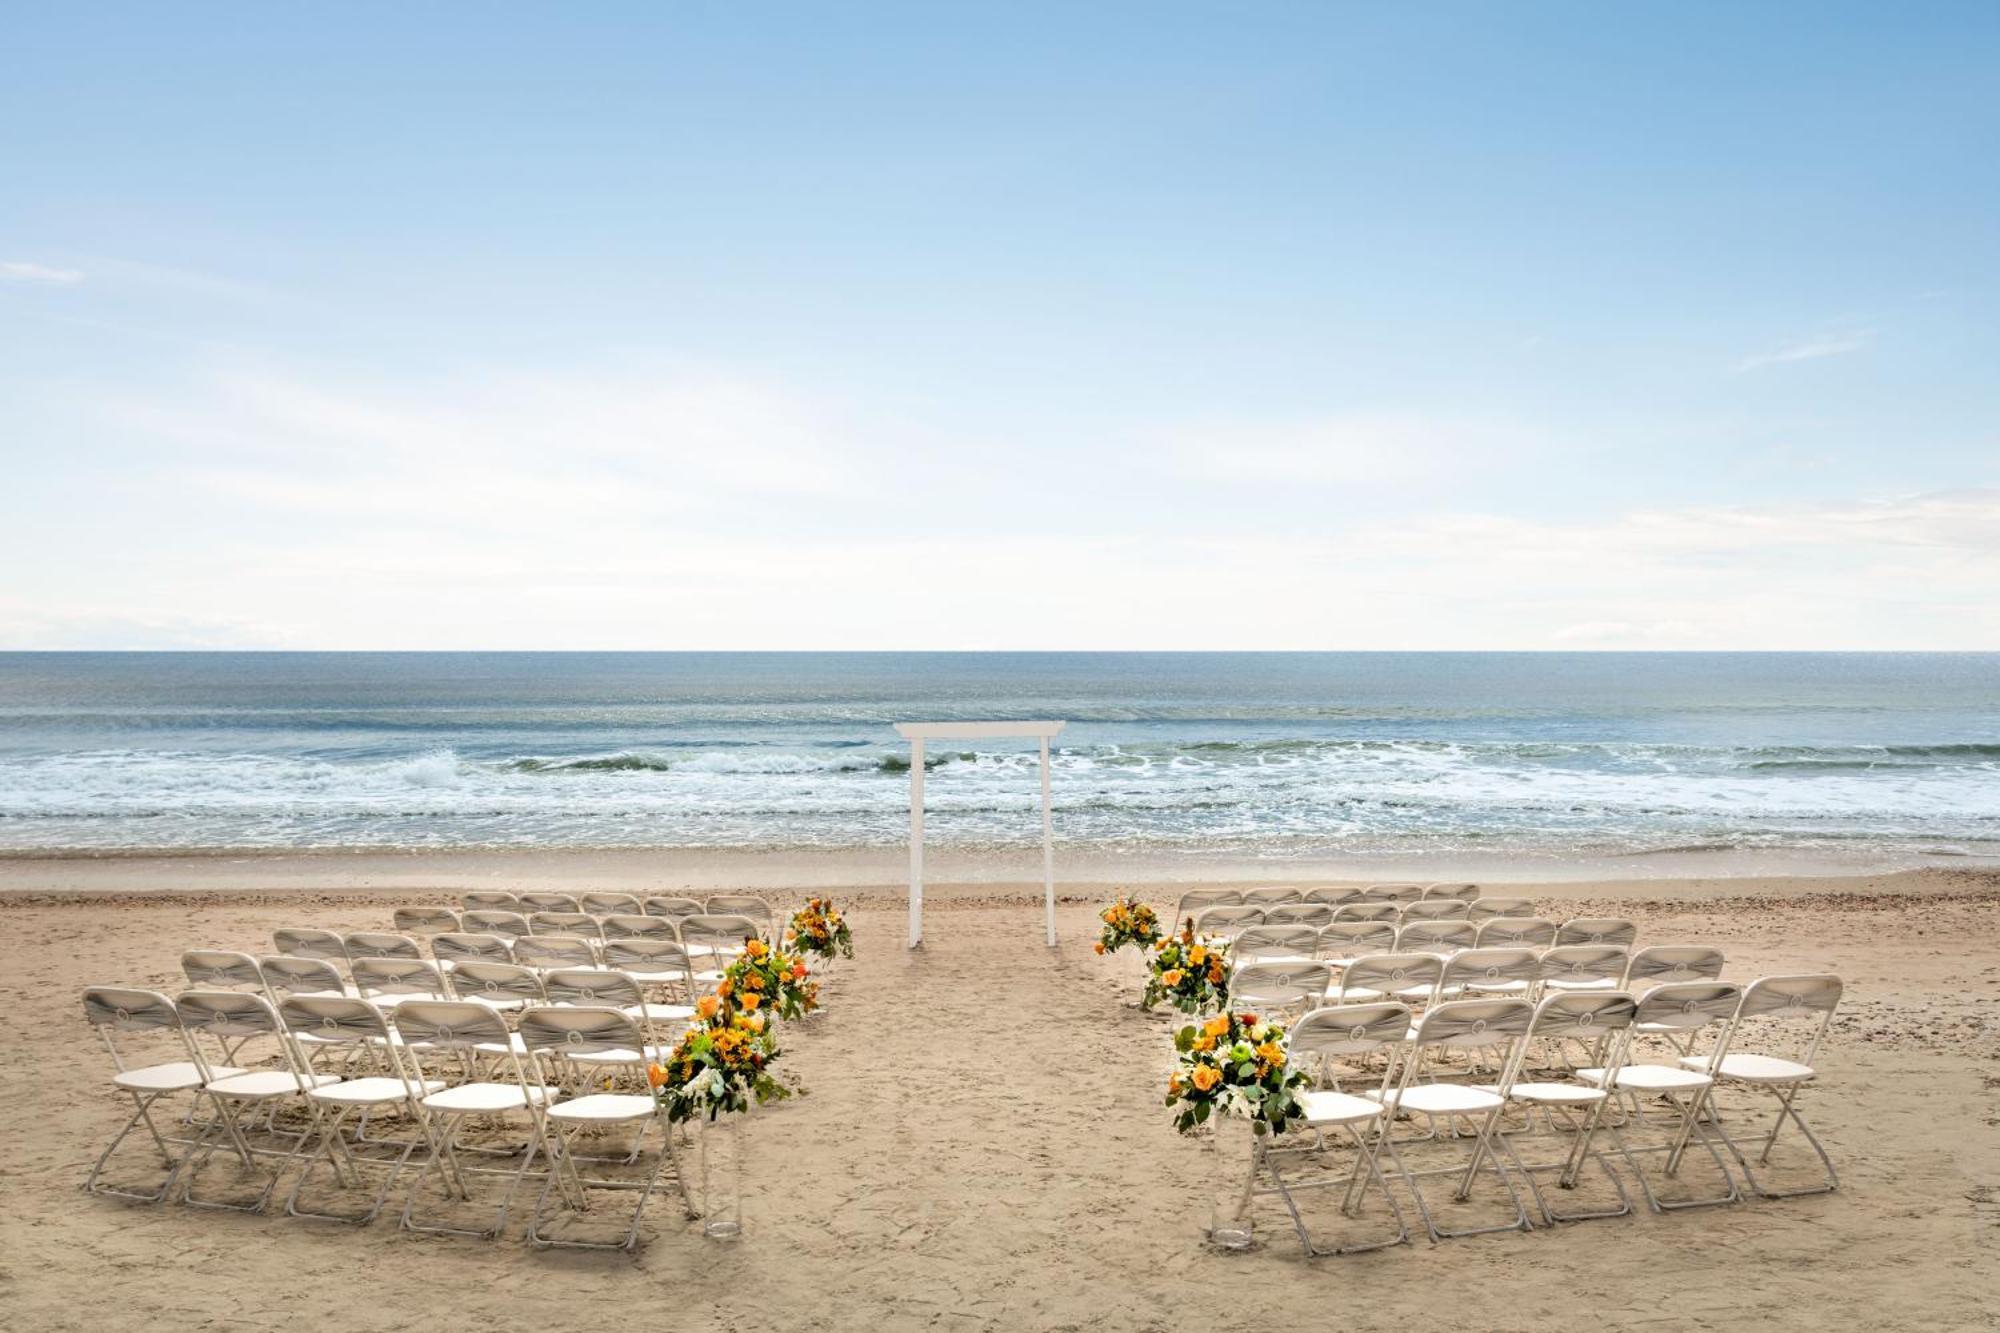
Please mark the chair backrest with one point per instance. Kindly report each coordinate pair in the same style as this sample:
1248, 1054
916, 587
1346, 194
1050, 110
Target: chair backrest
609, 904
1474, 1023
1315, 915
225, 1016
1398, 894
1271, 895
1333, 895
554, 951
126, 1010
1276, 985
1582, 963
396, 976
674, 909
549, 902
1597, 930
628, 927
379, 944
1584, 1015
1434, 909
1196, 901
740, 904
495, 921
475, 978
1254, 943
335, 1020
1348, 1031
1491, 969
425, 920
1228, 920
286, 975
1530, 932
649, 955
1660, 963
1686, 1006
1391, 973
1810, 999
1387, 912
565, 923
1465, 893
448, 1025
1436, 937
221, 968
1485, 909
1352, 939
457, 947
306, 942
486, 900
580, 1030
591, 985
710, 931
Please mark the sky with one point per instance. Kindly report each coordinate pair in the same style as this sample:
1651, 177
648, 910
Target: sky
1119, 326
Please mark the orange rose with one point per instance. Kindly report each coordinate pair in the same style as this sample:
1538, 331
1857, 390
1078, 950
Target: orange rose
1206, 1077
751, 1001
1171, 977
1099, 946
655, 1075
707, 1005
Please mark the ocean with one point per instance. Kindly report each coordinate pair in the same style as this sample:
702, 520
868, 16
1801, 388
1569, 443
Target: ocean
1274, 755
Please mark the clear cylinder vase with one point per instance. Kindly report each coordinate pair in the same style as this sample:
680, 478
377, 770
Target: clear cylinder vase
720, 1146
1229, 1146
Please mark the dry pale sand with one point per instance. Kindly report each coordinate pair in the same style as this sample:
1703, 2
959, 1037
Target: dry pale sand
984, 1147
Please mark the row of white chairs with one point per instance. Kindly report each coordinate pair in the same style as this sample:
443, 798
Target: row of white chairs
1278, 895
1710, 1021
1345, 938
521, 920
1418, 978
611, 904
437, 1061
545, 944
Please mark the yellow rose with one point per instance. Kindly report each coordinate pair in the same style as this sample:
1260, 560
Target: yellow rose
1217, 1026
1171, 977
1197, 955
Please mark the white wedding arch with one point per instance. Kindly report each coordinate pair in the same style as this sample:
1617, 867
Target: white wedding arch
916, 733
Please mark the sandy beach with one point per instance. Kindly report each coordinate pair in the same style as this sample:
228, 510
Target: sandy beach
983, 1145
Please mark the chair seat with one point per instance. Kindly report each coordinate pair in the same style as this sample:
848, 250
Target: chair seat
1561, 983
168, 1077
373, 1090
656, 978
663, 1013
1555, 1094
400, 998
498, 1003
1515, 987
1338, 1108
604, 1108
263, 1083
513, 1043
1649, 1078
1440, 1099
620, 1056
1755, 1068
486, 1097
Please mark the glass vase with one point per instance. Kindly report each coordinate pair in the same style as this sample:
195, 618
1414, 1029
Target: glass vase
1230, 1148
720, 1148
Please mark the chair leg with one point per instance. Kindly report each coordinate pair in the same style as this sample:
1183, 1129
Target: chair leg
346, 1169
1481, 1148
452, 1174
1785, 1097
227, 1113
1690, 1128
1367, 1167
563, 1169
142, 1114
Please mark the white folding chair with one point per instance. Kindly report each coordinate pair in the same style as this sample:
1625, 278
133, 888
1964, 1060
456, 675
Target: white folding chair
1227, 921
1411, 978
379, 944
1316, 915
501, 987
1798, 1009
673, 909
504, 922
393, 981
571, 1034
487, 900
714, 940
1196, 901
1344, 941
662, 964
455, 947
1466, 1025
1465, 893
565, 923
306, 942
549, 902
343, 1022
285, 975
743, 904
548, 951
1433, 909
1689, 1009
1399, 895
1350, 1035
1289, 988
238, 1018
1273, 895
1578, 967
1373, 913
1516, 932
1442, 938
1333, 895
628, 927
1595, 1019
1658, 964
601, 987
610, 904
139, 1015
1275, 943
425, 920
1485, 909
1612, 930
468, 1032
1484, 971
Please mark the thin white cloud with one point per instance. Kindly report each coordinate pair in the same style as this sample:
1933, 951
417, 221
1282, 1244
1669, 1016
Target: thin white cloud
1361, 448
21, 270
1810, 349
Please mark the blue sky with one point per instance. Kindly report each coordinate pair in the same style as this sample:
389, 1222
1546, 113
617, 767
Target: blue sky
1114, 326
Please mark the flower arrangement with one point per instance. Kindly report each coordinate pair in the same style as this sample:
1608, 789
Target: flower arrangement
721, 1064
770, 980
818, 928
1190, 974
1234, 1063
1127, 921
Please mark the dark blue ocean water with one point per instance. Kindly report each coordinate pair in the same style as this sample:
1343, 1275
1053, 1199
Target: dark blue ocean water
1281, 753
